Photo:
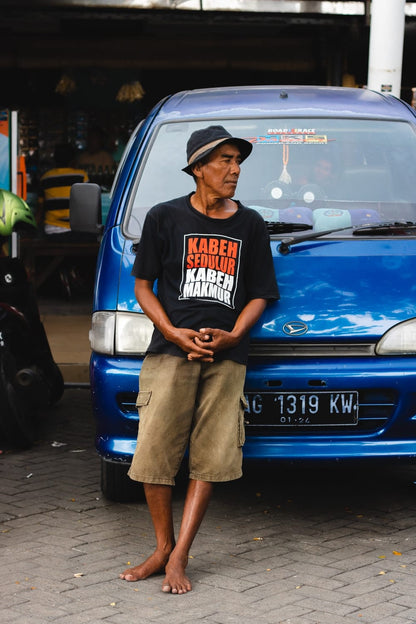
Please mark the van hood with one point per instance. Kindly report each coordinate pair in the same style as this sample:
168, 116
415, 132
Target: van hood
335, 289
341, 290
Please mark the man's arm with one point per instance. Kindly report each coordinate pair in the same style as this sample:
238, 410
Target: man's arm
183, 338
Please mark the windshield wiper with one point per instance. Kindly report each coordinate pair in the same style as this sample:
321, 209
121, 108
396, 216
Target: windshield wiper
389, 228
280, 227
284, 247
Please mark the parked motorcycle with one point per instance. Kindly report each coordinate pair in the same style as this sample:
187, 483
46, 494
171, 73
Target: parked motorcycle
29, 377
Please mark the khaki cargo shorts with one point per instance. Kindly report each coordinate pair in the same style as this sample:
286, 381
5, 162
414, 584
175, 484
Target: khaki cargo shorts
189, 404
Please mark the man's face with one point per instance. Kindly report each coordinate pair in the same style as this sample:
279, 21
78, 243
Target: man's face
219, 174
323, 170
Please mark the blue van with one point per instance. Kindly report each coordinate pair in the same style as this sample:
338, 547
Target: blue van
332, 368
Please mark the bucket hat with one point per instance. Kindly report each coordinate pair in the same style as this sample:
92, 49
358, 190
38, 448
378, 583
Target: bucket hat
202, 142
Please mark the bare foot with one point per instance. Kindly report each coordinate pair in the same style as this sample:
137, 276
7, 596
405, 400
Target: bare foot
155, 564
176, 581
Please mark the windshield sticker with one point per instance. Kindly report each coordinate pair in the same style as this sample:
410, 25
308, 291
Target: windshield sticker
291, 131
321, 138
293, 136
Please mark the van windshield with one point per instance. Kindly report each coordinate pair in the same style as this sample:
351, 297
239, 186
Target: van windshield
318, 173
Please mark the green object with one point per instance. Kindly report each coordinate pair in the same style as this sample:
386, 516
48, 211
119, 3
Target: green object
13, 210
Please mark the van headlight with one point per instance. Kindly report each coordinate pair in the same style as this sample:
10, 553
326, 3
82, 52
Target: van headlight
120, 333
399, 340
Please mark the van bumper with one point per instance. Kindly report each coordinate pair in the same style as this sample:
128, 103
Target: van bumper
389, 433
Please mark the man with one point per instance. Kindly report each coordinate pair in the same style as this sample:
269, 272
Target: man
215, 274
55, 188
54, 193
96, 157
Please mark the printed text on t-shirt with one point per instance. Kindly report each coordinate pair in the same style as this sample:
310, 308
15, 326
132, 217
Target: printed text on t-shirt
210, 268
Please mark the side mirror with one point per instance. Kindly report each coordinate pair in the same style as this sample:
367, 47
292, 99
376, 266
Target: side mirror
85, 208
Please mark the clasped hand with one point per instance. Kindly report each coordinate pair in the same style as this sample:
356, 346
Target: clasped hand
203, 345
211, 340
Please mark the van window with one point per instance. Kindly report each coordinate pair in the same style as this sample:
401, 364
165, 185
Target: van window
302, 170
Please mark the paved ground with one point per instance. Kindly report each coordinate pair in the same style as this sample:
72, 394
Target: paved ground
292, 546
67, 324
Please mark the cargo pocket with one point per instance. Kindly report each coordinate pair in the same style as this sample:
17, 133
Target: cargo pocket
241, 421
143, 399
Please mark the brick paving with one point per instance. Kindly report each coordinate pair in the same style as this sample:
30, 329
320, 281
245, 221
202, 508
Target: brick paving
289, 545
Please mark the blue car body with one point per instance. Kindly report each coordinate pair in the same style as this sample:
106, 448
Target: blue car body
332, 368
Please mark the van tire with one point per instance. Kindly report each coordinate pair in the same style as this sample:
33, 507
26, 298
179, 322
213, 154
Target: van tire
117, 486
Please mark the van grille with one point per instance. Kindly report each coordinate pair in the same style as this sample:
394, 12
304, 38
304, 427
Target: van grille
259, 349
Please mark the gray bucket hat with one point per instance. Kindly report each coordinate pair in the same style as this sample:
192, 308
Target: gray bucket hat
203, 142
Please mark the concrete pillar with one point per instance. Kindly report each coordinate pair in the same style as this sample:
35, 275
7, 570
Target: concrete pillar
386, 45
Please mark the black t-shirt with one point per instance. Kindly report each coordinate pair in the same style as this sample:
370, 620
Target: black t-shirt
207, 269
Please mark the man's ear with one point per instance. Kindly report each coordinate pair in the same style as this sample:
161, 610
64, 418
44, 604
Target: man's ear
197, 169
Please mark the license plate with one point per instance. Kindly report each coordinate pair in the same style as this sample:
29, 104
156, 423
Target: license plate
289, 409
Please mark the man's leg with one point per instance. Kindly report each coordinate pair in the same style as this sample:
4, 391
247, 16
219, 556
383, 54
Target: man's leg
196, 503
159, 501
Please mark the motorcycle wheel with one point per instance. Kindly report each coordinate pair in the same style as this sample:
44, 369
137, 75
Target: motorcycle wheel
16, 417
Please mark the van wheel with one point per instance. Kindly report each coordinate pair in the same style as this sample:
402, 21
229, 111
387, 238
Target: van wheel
117, 486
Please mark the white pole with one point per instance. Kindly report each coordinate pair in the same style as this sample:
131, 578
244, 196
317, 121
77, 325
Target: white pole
386, 45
